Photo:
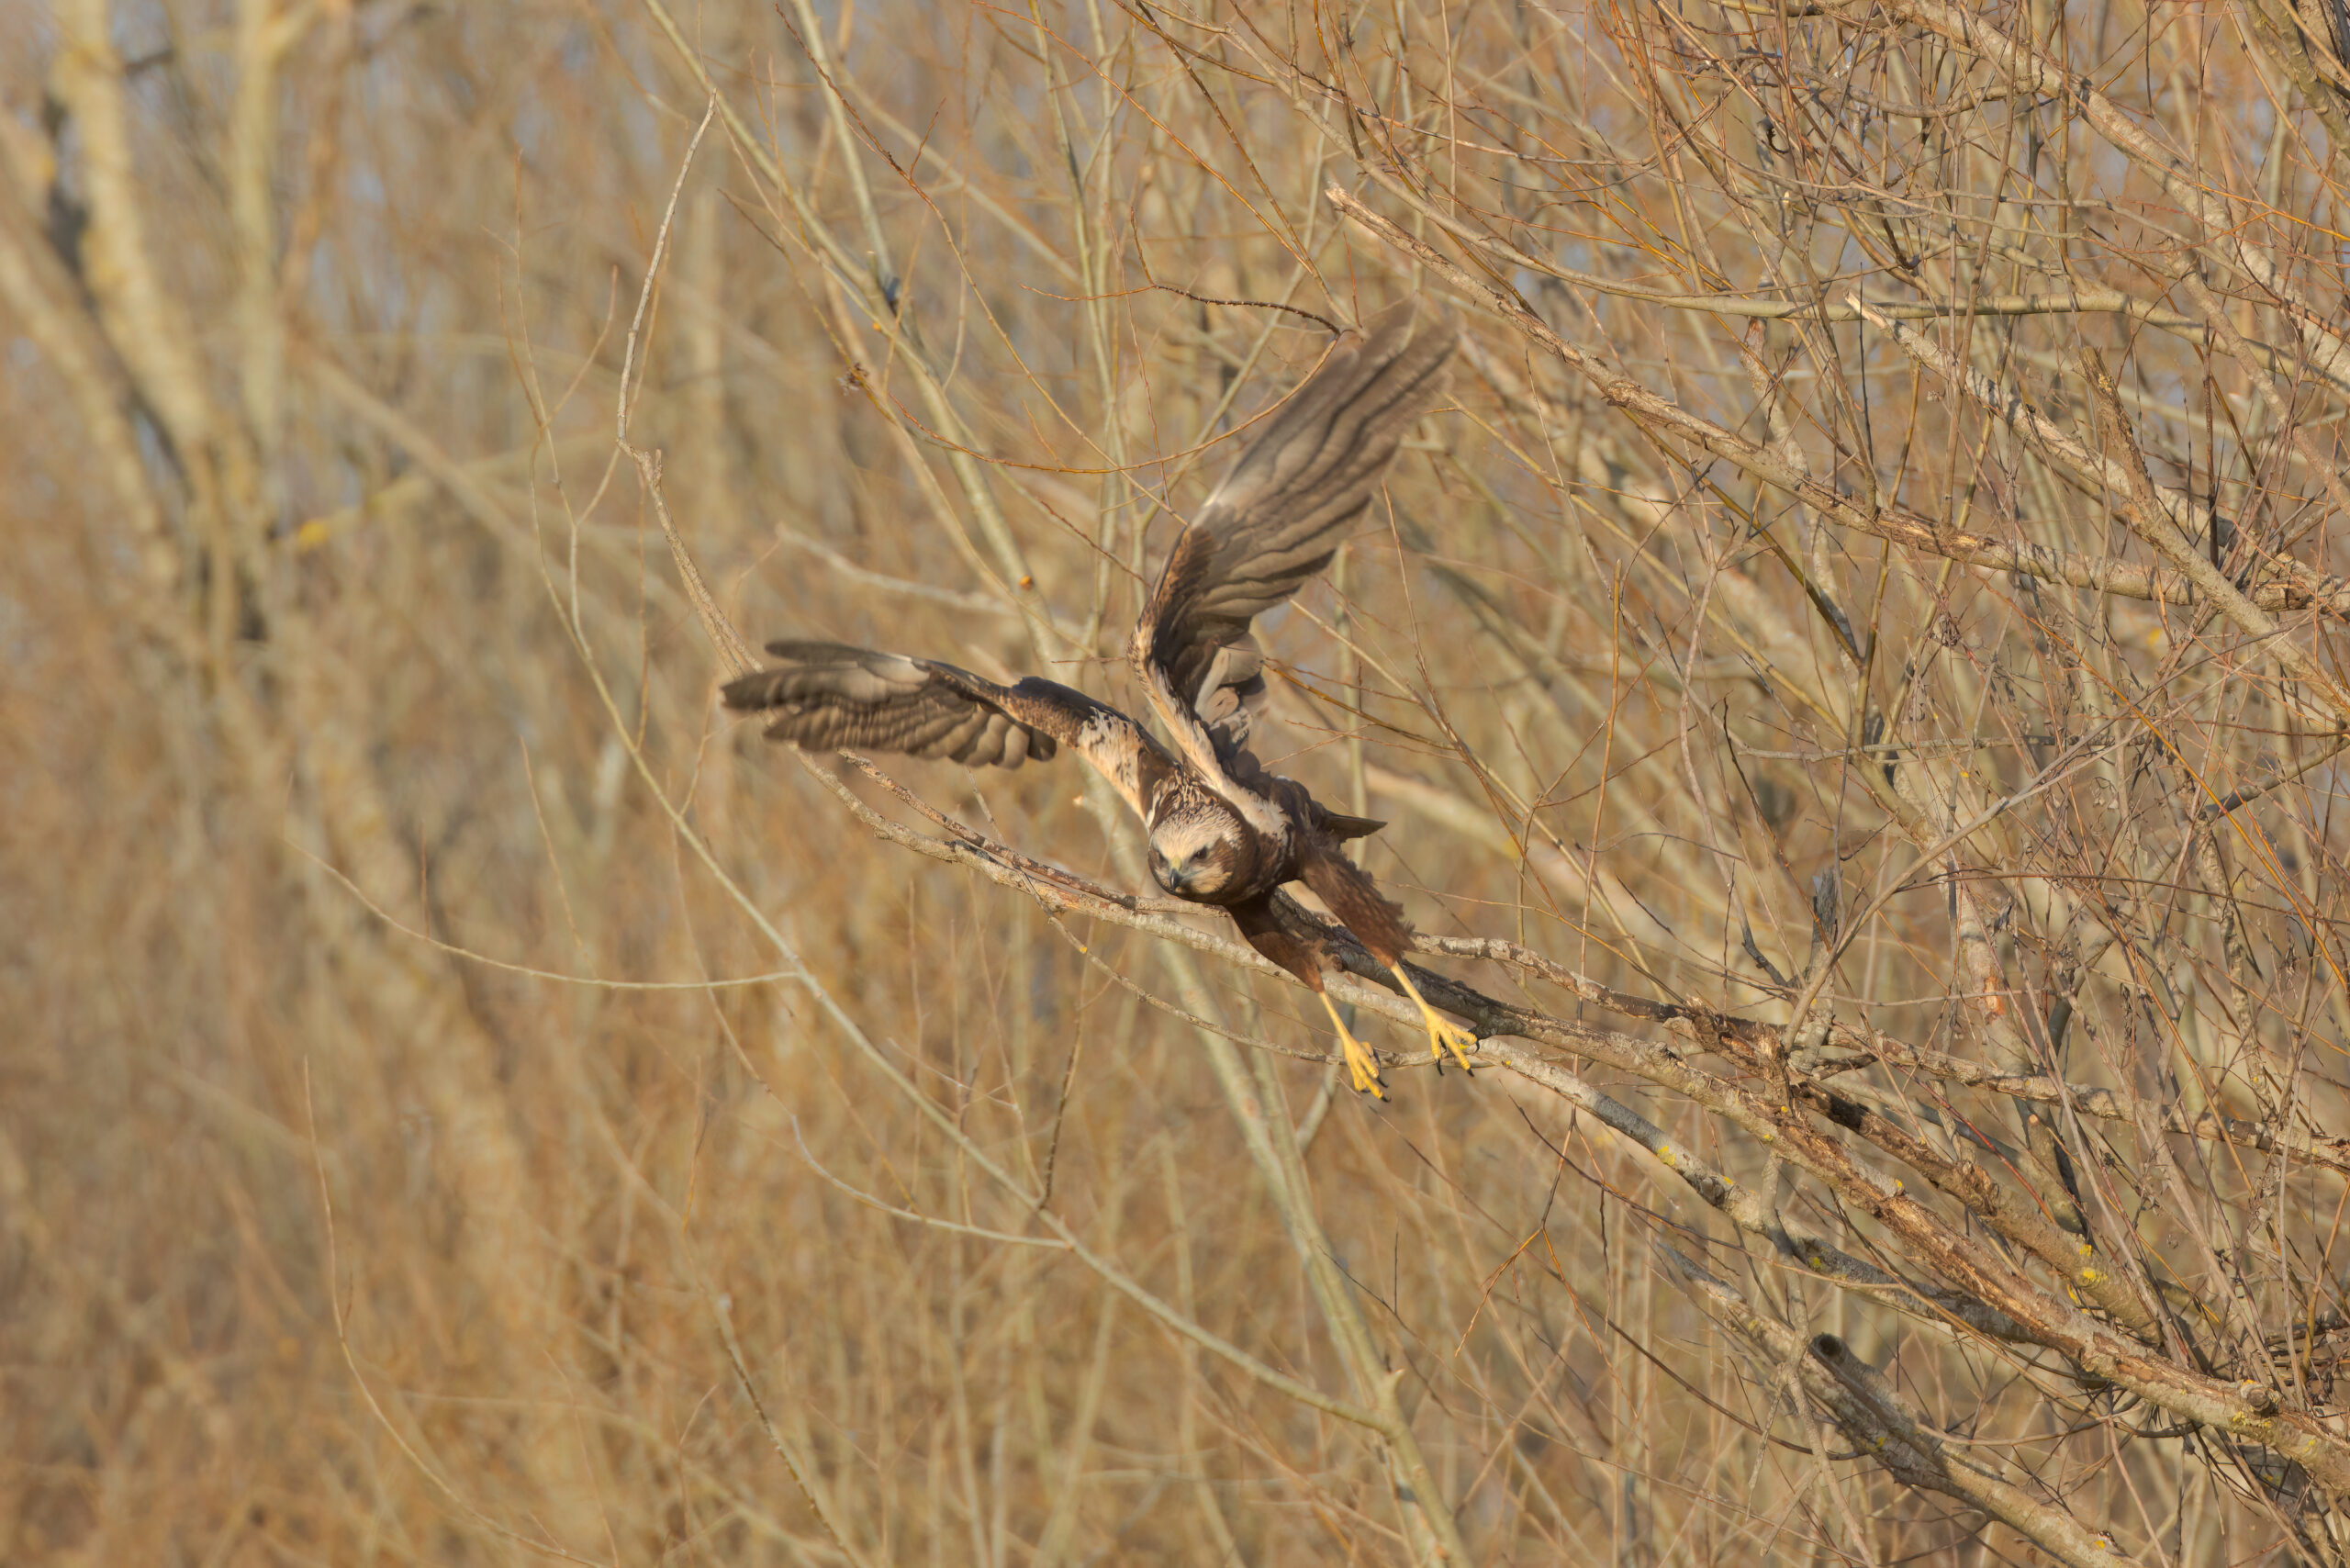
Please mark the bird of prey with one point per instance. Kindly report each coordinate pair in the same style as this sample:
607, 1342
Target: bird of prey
1225, 831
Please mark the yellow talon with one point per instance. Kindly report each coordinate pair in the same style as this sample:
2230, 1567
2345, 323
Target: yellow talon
1360, 1061
1443, 1034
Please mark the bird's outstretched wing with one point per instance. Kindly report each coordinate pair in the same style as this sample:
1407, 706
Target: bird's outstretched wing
827, 696
1281, 514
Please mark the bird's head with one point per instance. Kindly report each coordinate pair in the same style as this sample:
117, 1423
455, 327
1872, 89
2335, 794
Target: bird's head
1193, 855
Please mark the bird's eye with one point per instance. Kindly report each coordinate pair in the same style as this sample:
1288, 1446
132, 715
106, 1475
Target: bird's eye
1197, 856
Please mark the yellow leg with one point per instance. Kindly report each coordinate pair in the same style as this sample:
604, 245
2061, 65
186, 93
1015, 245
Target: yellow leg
1359, 1057
1443, 1034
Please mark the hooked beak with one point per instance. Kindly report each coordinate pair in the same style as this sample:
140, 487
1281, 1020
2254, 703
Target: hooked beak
1175, 879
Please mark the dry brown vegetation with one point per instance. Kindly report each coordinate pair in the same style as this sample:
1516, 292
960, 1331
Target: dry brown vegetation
1854, 676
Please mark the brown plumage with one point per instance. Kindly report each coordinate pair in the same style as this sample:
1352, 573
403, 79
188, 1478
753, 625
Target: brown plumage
1225, 831
826, 695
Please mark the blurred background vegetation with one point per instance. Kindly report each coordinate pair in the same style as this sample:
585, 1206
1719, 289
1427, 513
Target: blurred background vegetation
467, 1098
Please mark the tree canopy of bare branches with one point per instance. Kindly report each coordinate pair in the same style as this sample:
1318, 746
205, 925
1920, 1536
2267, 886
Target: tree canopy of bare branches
1853, 676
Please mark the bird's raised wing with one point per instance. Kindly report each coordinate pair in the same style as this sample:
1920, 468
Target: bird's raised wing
828, 695
1281, 514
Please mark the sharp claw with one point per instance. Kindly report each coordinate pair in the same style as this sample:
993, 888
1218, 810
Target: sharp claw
1361, 1066
1443, 1034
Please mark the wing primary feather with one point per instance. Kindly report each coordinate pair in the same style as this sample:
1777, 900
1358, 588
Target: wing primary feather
1281, 513
829, 695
